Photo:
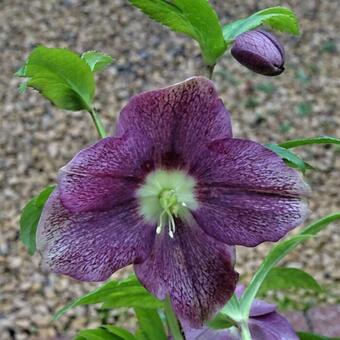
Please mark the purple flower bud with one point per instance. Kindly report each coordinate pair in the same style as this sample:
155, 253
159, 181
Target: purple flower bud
259, 51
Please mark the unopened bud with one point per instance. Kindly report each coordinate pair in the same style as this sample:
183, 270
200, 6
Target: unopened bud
259, 51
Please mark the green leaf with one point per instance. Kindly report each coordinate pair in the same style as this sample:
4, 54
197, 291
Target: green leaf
274, 256
30, 216
150, 324
277, 253
61, 76
291, 158
307, 141
278, 18
132, 298
112, 293
195, 18
311, 336
220, 321
96, 334
121, 332
280, 278
97, 61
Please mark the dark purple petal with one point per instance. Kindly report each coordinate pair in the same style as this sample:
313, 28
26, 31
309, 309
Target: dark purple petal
259, 51
195, 270
247, 194
103, 175
90, 246
177, 120
272, 326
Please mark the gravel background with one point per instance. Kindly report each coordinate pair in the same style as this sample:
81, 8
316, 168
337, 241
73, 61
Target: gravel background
36, 139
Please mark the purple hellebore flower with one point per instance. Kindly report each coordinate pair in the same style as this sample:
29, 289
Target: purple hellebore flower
259, 51
264, 323
171, 194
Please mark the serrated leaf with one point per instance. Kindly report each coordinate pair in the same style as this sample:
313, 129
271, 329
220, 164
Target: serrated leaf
294, 143
150, 324
278, 18
97, 61
277, 253
61, 76
313, 336
96, 334
291, 158
195, 18
30, 216
115, 293
280, 278
121, 332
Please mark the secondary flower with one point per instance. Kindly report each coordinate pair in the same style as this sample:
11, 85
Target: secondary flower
259, 51
171, 193
264, 323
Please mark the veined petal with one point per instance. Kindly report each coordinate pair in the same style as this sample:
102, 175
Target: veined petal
192, 268
177, 120
247, 218
103, 175
272, 326
247, 166
90, 246
246, 194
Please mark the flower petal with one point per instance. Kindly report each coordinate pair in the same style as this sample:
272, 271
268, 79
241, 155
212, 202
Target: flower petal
249, 166
206, 333
103, 175
91, 246
272, 326
193, 269
260, 307
177, 119
247, 195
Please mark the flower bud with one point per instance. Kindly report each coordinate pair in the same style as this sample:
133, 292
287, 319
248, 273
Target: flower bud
259, 51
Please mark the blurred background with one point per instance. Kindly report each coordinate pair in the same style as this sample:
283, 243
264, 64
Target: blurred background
37, 139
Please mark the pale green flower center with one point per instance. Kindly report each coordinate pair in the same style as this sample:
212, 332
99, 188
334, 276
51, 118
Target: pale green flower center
165, 196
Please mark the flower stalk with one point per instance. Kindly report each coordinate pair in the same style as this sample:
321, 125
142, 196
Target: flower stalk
98, 123
245, 333
172, 321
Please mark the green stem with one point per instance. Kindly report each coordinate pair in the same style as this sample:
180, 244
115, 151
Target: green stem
210, 70
172, 321
245, 333
98, 123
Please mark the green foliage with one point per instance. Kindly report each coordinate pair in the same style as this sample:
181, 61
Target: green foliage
97, 61
106, 332
312, 336
61, 76
291, 158
307, 141
195, 18
30, 216
278, 18
280, 278
277, 253
120, 332
114, 293
150, 324
220, 321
